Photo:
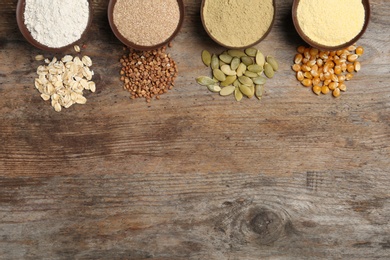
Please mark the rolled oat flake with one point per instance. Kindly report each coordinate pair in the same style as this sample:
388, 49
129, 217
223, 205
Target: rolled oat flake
58, 23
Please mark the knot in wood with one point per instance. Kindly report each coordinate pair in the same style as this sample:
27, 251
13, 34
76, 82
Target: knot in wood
267, 224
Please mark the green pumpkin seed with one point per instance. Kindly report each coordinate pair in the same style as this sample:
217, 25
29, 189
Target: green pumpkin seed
226, 58
236, 53
255, 68
245, 80
219, 75
247, 60
228, 90
251, 52
228, 71
241, 69
259, 80
245, 90
272, 61
221, 63
238, 94
251, 74
214, 62
252, 89
214, 88
206, 57
268, 70
235, 62
236, 83
205, 81
260, 60
228, 81
259, 89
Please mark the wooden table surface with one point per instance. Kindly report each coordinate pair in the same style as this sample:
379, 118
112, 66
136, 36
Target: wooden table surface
195, 175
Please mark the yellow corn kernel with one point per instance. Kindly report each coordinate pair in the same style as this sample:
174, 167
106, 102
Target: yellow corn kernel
314, 73
301, 49
306, 53
307, 75
314, 52
351, 48
317, 90
338, 61
336, 92
324, 55
316, 81
343, 87
326, 68
296, 67
311, 63
348, 76
341, 78
307, 82
300, 76
357, 66
298, 58
334, 78
320, 62
324, 90
359, 50
346, 52
327, 82
352, 57
330, 64
343, 67
333, 85
337, 70
305, 68
350, 67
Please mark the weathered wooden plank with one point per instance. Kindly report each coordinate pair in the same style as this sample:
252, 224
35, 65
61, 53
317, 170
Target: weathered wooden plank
195, 175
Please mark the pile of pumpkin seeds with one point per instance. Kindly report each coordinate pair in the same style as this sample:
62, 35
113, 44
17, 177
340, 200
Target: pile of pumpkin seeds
239, 72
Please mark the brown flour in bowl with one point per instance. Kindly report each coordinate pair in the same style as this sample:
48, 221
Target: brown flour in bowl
146, 23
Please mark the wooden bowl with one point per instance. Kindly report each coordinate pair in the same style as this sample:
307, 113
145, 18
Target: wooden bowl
128, 43
366, 6
27, 35
236, 47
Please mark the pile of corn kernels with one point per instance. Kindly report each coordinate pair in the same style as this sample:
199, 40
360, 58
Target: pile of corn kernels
326, 71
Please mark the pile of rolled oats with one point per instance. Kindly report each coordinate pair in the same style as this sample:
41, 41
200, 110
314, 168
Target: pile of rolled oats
63, 81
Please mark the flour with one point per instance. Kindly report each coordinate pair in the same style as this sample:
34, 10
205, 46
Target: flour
56, 23
331, 22
238, 23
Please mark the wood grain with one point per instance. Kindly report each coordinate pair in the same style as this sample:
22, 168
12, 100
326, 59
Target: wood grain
195, 175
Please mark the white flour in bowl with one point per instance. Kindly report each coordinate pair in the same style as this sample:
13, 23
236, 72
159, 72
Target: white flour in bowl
56, 23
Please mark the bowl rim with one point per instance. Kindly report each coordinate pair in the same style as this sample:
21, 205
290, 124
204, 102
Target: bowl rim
21, 5
237, 47
367, 13
128, 43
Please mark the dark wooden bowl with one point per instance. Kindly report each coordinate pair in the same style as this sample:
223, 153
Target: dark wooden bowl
366, 5
27, 35
110, 13
236, 47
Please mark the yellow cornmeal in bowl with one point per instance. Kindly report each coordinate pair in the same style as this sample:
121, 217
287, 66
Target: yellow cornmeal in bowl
331, 22
238, 23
